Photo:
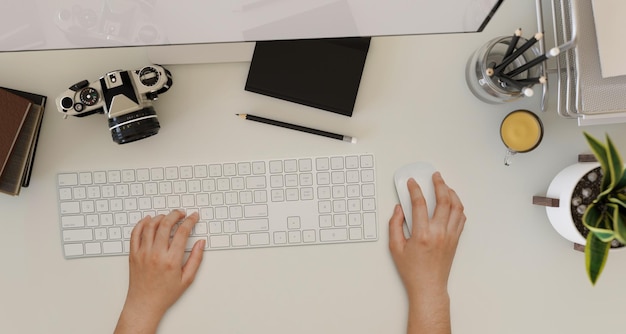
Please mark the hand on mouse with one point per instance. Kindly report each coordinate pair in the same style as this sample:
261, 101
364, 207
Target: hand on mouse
424, 260
158, 273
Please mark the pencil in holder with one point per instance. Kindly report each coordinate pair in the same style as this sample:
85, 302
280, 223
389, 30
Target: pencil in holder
490, 83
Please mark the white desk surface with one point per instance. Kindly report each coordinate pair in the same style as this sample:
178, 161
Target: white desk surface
512, 274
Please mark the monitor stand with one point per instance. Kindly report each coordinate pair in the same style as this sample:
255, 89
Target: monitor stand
201, 53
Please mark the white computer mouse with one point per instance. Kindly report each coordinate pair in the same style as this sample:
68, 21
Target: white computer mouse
422, 172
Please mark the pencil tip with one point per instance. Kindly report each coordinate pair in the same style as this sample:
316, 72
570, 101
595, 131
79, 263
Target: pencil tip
538, 36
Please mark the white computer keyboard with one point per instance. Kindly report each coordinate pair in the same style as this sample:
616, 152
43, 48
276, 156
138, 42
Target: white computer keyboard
245, 204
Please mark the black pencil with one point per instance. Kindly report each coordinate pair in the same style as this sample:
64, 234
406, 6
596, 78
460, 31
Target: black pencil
536, 61
518, 52
513, 43
298, 128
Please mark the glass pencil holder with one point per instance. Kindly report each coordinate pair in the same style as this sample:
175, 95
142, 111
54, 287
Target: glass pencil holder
498, 88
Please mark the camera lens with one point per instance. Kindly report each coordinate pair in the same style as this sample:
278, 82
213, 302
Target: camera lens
134, 126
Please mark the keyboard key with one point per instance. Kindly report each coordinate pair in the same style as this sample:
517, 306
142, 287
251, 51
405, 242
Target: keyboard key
128, 175
100, 233
99, 177
367, 161
305, 165
276, 181
230, 226
290, 166
308, 236
112, 247
93, 248
249, 225
244, 168
114, 176
229, 169
171, 173
70, 207
260, 196
356, 233
65, 194
143, 175
200, 228
251, 211
80, 193
336, 163
219, 241
280, 237
157, 174
73, 221
368, 190
215, 170
200, 171
352, 162
294, 237
67, 179
73, 249
276, 166
85, 178
322, 163
367, 175
278, 195
215, 227
369, 225
340, 234
258, 167
259, 239
240, 240
77, 235
186, 172
192, 241
255, 182
293, 223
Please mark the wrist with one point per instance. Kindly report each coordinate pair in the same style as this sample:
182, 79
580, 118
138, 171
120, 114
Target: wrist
138, 318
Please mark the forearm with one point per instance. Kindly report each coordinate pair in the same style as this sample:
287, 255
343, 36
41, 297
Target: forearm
136, 321
429, 314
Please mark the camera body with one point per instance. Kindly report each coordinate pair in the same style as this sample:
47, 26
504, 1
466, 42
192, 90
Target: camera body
125, 97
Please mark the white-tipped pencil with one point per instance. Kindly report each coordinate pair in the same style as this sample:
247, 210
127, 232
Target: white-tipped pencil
518, 52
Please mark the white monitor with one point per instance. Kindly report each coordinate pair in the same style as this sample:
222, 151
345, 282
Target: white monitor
74, 24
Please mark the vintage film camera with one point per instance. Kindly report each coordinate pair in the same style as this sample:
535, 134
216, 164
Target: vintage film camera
125, 97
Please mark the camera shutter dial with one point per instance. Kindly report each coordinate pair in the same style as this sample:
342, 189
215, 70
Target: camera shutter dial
89, 96
149, 76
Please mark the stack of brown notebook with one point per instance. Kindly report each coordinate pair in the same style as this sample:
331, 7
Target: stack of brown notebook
21, 115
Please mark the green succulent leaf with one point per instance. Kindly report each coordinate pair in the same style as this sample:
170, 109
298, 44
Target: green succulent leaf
619, 226
597, 221
619, 200
615, 166
601, 154
596, 254
621, 184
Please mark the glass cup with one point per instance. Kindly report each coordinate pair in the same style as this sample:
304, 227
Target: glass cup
521, 131
492, 89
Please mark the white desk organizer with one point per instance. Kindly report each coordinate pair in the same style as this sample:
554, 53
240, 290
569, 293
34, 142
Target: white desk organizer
582, 93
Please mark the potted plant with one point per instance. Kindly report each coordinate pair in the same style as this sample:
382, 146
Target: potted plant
586, 204
605, 217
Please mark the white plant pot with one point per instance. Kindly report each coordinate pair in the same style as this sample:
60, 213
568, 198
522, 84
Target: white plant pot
562, 188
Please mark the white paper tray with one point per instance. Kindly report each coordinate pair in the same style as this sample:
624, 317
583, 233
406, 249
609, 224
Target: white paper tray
582, 93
